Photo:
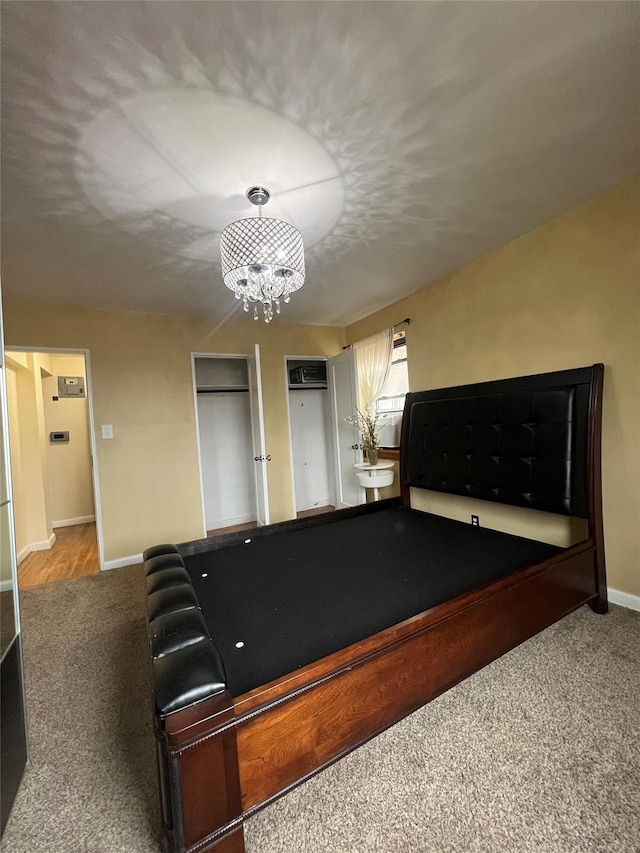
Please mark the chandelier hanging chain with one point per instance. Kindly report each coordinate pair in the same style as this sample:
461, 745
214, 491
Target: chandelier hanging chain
262, 259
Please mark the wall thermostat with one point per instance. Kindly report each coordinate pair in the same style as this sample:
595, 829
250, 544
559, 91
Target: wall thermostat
70, 386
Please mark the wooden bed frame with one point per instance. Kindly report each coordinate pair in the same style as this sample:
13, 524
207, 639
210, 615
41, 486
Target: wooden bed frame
223, 758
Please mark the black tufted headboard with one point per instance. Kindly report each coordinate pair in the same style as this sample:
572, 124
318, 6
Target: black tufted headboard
516, 441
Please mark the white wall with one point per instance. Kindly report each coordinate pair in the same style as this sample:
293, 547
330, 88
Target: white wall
310, 443
226, 451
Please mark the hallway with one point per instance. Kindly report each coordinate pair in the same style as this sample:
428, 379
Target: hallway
74, 555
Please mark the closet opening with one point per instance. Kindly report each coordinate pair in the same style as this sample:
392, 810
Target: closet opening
311, 435
229, 422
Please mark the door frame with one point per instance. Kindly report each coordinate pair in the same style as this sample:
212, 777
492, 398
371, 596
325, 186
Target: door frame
95, 474
256, 407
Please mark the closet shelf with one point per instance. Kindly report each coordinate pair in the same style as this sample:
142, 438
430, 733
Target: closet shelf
213, 389
311, 386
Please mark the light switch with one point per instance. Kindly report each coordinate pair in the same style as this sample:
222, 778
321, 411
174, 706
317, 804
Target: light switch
107, 430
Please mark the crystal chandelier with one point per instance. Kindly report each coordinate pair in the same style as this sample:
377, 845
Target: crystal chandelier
262, 259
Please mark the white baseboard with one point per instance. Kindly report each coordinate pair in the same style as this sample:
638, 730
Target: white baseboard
5, 586
35, 546
44, 545
623, 599
22, 554
131, 560
69, 522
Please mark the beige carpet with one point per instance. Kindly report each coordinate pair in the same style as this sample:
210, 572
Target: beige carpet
538, 752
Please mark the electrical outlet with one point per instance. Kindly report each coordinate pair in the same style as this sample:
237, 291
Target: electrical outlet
475, 520
107, 430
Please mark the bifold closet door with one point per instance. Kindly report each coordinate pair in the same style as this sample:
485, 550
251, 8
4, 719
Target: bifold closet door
224, 422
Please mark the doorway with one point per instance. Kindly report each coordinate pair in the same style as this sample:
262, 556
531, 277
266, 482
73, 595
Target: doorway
230, 437
53, 477
322, 394
310, 431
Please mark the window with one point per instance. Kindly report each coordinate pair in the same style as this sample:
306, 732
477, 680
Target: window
397, 385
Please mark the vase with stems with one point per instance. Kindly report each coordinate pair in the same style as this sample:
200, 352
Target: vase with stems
367, 422
372, 455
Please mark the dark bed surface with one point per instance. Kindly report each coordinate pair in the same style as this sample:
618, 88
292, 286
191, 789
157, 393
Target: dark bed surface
298, 596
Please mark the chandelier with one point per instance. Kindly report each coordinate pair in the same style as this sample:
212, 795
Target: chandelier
262, 259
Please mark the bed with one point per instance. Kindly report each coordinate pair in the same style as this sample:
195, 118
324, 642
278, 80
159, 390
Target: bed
275, 653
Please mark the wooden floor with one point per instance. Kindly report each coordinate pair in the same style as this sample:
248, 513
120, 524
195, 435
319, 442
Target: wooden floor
319, 510
74, 555
250, 525
218, 531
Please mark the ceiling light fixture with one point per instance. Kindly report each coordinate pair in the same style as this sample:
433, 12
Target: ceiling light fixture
262, 259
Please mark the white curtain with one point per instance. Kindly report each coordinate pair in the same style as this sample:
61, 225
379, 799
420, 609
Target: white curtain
373, 360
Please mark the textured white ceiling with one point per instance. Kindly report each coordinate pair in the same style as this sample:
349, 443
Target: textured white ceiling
403, 139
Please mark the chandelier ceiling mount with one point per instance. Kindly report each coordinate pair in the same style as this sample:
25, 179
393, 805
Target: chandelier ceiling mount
258, 195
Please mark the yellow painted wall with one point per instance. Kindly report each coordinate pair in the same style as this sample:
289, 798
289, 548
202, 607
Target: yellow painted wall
141, 383
69, 482
566, 295
18, 359
15, 442
27, 431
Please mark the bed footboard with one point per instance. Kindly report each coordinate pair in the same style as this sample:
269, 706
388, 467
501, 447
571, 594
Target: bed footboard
193, 713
